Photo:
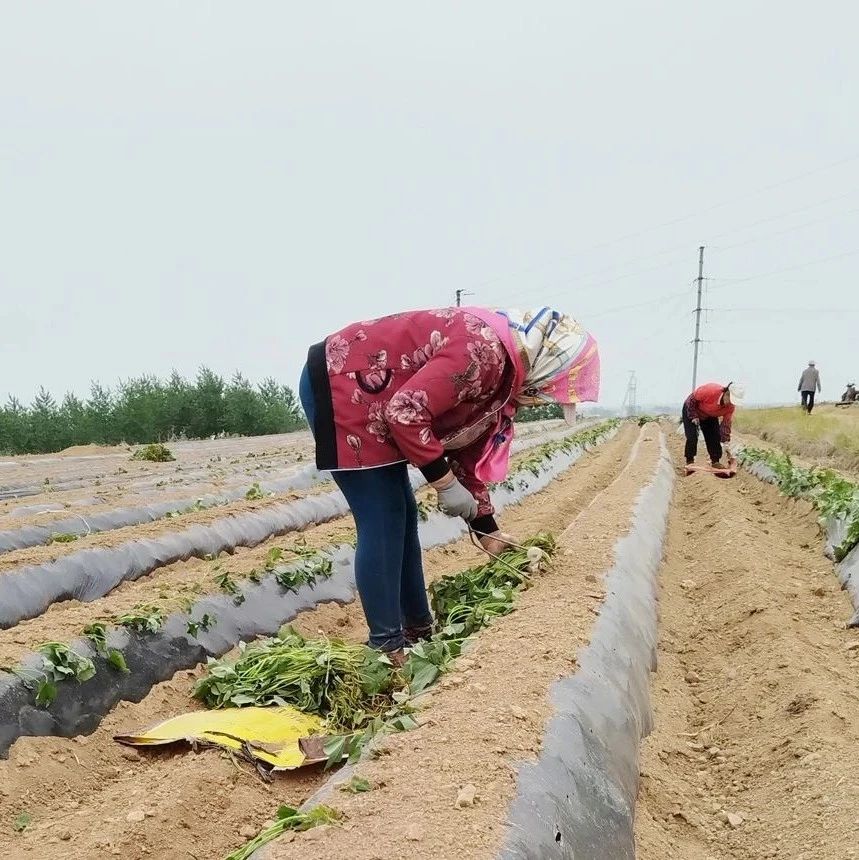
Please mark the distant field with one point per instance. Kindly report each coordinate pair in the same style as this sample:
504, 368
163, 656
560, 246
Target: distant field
829, 436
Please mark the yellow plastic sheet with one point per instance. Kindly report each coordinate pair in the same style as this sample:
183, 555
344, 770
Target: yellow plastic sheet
272, 735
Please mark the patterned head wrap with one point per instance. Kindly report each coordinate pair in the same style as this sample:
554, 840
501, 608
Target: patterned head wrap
560, 359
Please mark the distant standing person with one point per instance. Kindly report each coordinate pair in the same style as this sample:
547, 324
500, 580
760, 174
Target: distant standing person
703, 409
809, 383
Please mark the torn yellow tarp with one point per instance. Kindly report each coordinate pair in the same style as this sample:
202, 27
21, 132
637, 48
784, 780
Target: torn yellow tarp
272, 735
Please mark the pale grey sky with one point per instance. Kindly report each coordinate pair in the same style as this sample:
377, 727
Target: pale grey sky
224, 183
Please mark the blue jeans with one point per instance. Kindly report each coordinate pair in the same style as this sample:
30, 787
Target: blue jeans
388, 568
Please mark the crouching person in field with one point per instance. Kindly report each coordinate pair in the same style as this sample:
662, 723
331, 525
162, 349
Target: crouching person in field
709, 408
437, 389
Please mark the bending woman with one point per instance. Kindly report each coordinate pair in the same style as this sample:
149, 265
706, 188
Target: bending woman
437, 389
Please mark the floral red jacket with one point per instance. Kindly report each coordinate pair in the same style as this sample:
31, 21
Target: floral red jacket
422, 386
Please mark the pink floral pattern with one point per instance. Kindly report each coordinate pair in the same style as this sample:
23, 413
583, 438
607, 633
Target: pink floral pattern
423, 354
467, 383
483, 353
355, 444
475, 325
336, 353
408, 406
377, 426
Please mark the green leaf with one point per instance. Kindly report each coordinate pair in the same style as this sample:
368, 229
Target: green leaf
335, 749
403, 723
22, 821
117, 659
286, 812
357, 785
422, 674
46, 692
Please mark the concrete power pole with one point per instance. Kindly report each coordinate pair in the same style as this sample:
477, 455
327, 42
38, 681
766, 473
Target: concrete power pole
697, 340
459, 295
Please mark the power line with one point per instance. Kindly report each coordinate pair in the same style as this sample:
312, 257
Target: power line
671, 222
580, 283
787, 230
721, 283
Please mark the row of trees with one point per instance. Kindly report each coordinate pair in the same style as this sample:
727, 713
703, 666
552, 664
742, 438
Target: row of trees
539, 413
148, 409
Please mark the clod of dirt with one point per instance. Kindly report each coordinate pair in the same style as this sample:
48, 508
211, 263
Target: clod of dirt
800, 704
853, 646
247, 831
135, 816
692, 678
466, 796
735, 819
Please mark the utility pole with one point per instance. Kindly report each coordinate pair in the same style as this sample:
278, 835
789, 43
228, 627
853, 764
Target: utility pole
459, 295
629, 403
697, 340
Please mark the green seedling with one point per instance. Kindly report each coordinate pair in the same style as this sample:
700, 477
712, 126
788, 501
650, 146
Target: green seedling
204, 623
22, 821
97, 634
287, 819
255, 493
143, 619
62, 537
59, 663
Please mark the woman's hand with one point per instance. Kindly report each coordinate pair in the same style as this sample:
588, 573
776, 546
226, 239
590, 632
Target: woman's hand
453, 499
497, 542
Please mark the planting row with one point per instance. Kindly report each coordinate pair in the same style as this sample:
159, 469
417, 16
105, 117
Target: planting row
836, 500
32, 703
70, 528
73, 527
26, 592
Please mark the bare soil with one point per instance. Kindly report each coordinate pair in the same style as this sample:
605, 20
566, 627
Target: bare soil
86, 795
754, 751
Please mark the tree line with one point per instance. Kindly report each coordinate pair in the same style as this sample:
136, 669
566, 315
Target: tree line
149, 409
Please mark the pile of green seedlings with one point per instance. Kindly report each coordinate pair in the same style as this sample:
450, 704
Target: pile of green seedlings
359, 693
833, 496
350, 685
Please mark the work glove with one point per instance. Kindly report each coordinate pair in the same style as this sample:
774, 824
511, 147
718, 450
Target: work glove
456, 501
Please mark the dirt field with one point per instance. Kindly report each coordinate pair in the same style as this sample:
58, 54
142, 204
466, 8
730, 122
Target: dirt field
752, 756
89, 797
754, 751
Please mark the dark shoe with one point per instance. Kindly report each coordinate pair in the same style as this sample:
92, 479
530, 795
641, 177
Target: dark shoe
413, 635
397, 658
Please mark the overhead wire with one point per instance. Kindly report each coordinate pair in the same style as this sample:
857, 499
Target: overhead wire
681, 219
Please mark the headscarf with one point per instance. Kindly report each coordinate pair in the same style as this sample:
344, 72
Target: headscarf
560, 359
